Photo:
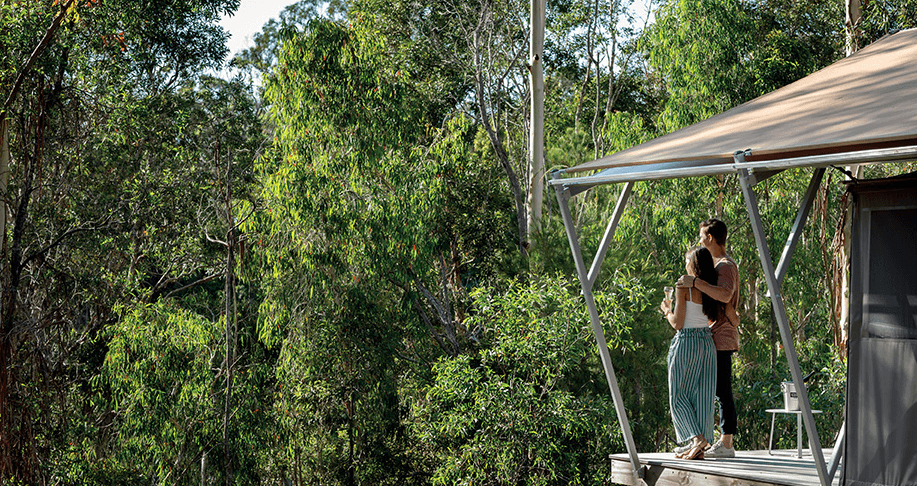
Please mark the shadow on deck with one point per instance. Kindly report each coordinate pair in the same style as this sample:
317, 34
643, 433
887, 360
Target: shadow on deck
748, 468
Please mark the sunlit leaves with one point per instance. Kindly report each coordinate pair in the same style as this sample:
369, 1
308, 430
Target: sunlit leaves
348, 225
525, 409
160, 369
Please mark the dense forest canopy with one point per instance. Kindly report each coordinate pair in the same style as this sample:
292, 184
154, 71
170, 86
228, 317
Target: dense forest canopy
318, 271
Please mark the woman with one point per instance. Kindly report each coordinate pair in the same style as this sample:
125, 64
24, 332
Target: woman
692, 357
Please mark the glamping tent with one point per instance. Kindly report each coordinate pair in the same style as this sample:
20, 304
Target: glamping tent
882, 361
860, 110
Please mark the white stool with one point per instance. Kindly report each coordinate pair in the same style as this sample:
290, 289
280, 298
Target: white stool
798, 413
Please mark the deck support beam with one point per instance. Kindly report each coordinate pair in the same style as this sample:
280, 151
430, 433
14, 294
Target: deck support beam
563, 197
773, 285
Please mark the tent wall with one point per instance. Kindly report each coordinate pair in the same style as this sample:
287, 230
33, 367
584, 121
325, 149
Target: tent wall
882, 361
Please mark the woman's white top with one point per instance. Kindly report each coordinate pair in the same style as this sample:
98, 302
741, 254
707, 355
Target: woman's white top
694, 314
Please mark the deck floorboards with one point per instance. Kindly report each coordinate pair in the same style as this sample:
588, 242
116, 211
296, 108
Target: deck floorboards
748, 468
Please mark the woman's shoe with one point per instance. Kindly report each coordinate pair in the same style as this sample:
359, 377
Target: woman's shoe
681, 450
696, 452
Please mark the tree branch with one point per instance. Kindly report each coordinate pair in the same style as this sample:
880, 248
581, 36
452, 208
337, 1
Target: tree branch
57, 241
49, 34
432, 328
195, 283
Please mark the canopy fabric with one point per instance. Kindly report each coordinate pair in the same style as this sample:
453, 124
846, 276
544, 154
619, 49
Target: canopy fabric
863, 102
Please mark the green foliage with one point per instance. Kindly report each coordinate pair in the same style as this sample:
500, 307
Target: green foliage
529, 406
387, 329
342, 174
162, 375
361, 219
884, 17
697, 49
715, 54
262, 56
119, 151
159, 369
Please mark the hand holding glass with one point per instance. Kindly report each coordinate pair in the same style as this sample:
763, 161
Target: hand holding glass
666, 305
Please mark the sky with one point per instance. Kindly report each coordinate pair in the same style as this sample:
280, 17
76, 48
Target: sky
248, 20
253, 14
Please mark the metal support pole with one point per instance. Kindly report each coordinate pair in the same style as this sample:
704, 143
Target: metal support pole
798, 225
609, 234
751, 202
573, 239
837, 453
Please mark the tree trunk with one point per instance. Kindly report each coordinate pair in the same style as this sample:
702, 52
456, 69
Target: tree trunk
843, 267
4, 178
230, 319
5, 345
536, 130
852, 24
204, 469
493, 134
12, 461
10, 464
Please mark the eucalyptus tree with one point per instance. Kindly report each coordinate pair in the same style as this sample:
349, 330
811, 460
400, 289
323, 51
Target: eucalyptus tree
259, 59
529, 407
104, 191
885, 16
190, 259
374, 223
710, 56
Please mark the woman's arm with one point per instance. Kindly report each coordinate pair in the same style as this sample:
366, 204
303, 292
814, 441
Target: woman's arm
676, 318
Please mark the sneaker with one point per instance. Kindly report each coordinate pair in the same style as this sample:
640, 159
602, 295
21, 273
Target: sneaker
718, 450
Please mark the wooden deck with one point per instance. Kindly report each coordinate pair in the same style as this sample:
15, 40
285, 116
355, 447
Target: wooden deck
748, 468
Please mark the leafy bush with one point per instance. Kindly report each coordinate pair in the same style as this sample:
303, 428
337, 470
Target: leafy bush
530, 406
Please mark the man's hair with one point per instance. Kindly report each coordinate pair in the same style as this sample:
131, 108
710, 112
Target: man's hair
716, 229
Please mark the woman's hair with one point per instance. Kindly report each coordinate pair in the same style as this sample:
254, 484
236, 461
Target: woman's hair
702, 264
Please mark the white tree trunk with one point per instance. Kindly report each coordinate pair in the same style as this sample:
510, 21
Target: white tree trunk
854, 14
844, 266
536, 127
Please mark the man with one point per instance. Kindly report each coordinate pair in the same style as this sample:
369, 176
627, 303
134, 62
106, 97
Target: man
713, 234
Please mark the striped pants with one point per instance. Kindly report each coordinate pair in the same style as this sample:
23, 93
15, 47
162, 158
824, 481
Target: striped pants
692, 382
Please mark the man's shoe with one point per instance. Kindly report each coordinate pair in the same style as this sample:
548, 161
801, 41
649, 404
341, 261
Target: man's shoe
718, 450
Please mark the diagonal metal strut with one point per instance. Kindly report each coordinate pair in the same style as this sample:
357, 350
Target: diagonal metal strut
798, 225
773, 285
609, 234
563, 196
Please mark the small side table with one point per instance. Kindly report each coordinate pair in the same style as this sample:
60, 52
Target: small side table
798, 413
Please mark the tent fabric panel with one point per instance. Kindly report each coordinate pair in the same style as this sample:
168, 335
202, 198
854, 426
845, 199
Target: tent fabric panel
881, 413
882, 359
889, 302
883, 301
864, 99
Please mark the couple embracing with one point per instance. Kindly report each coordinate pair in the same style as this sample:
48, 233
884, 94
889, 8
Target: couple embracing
703, 312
